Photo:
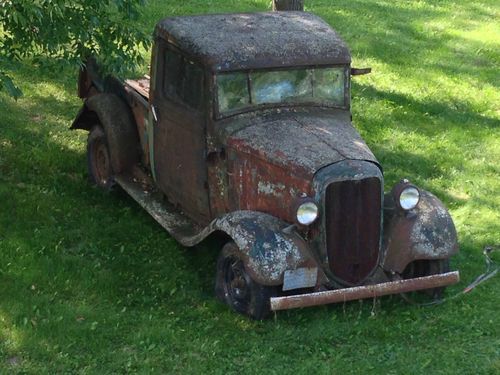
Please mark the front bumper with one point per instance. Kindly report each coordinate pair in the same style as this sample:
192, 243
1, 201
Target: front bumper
366, 291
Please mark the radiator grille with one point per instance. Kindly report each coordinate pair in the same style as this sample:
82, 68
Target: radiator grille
353, 219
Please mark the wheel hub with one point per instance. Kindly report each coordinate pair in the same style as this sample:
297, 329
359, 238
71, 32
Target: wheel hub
102, 167
237, 283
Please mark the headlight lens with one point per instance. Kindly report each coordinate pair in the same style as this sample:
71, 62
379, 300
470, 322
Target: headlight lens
307, 213
409, 197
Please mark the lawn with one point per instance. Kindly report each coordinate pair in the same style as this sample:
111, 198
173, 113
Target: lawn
90, 284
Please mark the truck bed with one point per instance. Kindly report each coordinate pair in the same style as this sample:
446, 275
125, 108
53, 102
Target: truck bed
140, 85
138, 99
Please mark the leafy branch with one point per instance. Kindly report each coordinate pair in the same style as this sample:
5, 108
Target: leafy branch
69, 31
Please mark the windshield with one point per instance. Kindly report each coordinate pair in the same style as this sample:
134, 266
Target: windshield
241, 90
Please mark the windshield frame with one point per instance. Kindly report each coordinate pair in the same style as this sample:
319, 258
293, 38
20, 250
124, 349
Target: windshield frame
256, 107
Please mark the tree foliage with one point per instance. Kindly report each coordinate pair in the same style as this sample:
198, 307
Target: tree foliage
68, 31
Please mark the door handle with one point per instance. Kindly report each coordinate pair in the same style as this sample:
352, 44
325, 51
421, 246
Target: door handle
153, 111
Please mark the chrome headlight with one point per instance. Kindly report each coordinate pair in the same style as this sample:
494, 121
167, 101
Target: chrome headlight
409, 198
406, 195
307, 213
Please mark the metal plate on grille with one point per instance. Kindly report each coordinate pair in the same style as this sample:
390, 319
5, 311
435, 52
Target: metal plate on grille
300, 278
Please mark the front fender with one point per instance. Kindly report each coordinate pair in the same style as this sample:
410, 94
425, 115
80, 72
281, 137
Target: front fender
427, 232
267, 251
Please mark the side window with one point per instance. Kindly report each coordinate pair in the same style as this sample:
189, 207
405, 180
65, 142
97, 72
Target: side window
183, 79
172, 76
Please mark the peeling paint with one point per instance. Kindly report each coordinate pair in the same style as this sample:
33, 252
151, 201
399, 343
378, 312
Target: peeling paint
269, 188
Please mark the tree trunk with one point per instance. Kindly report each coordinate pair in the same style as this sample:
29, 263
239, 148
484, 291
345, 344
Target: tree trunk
288, 4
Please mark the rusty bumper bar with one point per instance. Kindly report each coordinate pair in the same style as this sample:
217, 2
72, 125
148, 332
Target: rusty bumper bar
367, 291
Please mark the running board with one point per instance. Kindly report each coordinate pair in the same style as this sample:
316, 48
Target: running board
366, 291
178, 225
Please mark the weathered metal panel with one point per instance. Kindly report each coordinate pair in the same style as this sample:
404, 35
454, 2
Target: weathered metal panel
179, 154
301, 141
256, 40
141, 86
218, 182
361, 292
259, 185
115, 116
89, 80
180, 148
140, 110
426, 232
352, 227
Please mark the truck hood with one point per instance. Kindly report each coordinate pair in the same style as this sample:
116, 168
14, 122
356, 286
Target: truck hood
301, 142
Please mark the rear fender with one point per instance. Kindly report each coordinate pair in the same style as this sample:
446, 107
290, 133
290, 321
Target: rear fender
427, 232
115, 116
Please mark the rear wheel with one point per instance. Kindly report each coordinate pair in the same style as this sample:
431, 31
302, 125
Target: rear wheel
421, 268
235, 287
98, 160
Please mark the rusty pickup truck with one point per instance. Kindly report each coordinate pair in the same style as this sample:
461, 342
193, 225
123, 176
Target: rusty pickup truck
243, 132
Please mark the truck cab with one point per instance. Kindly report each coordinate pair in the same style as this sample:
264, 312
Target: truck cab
243, 131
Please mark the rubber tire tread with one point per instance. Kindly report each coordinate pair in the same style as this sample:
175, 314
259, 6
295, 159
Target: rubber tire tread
259, 307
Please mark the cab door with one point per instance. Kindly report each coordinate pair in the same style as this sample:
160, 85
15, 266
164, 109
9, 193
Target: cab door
179, 139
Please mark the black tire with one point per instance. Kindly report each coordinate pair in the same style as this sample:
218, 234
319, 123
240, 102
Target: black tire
235, 287
421, 268
98, 159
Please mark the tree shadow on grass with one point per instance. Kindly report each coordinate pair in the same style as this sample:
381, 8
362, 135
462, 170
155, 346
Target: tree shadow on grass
458, 116
430, 120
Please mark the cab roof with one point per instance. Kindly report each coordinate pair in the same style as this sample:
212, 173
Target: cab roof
227, 42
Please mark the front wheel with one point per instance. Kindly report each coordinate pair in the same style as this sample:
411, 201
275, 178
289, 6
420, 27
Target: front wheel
421, 268
235, 287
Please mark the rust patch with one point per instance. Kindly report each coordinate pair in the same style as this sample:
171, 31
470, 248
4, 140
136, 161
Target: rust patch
262, 186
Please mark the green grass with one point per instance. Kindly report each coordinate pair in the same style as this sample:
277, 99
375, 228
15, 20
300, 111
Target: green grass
89, 283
